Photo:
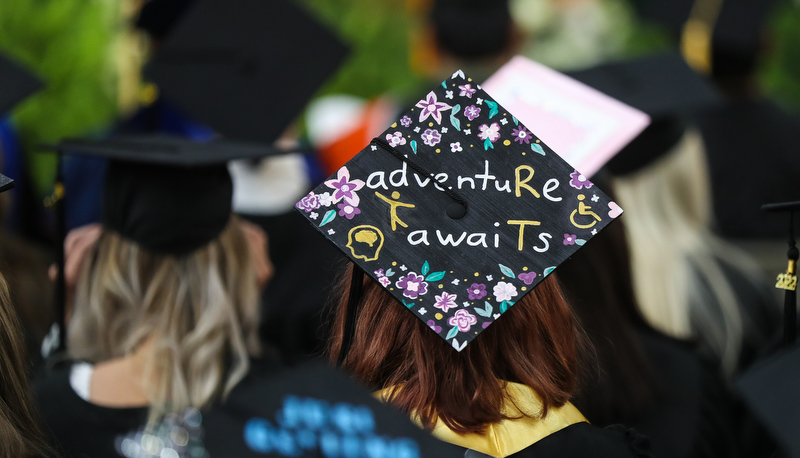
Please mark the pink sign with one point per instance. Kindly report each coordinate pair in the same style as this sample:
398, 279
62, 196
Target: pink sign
584, 126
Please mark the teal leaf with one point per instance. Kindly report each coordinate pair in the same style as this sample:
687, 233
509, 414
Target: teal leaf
506, 271
444, 84
425, 268
580, 242
516, 122
389, 273
452, 333
453, 120
329, 216
455, 109
548, 271
435, 276
408, 304
492, 108
487, 144
486, 312
414, 146
503, 306
538, 148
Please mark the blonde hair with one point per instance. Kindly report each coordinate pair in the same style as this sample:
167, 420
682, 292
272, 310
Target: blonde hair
680, 285
201, 309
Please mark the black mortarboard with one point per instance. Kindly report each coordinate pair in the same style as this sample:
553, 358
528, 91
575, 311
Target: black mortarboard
6, 183
664, 87
245, 67
158, 17
770, 390
472, 29
167, 194
458, 210
16, 84
314, 411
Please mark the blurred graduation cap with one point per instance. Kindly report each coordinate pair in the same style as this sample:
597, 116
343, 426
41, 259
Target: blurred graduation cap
471, 29
245, 67
665, 88
158, 17
6, 183
457, 210
770, 391
313, 411
16, 84
787, 281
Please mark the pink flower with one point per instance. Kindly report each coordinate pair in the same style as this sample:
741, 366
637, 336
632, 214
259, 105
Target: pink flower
432, 324
405, 121
472, 112
491, 132
466, 90
463, 320
504, 291
569, 239
445, 302
432, 107
347, 210
395, 139
578, 181
384, 281
521, 135
379, 273
413, 285
476, 291
344, 188
431, 137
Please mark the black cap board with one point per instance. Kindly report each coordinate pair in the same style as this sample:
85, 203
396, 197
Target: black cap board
245, 67
471, 29
169, 195
664, 87
314, 411
457, 210
6, 183
770, 391
16, 84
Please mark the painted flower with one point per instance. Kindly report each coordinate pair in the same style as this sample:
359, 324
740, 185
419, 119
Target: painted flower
348, 210
504, 291
578, 181
463, 320
395, 139
431, 137
344, 187
314, 215
413, 285
380, 273
491, 132
448, 94
422, 311
455, 147
308, 203
521, 135
569, 239
445, 302
405, 121
384, 281
472, 112
432, 107
432, 324
466, 90
325, 199
476, 291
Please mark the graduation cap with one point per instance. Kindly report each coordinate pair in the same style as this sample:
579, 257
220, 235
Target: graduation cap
787, 281
6, 183
313, 411
16, 84
457, 210
472, 29
769, 389
158, 17
245, 67
664, 87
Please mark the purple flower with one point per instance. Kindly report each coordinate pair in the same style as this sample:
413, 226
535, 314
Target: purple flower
413, 285
569, 239
445, 302
463, 320
521, 135
491, 132
476, 291
455, 147
308, 203
431, 137
578, 181
348, 210
395, 139
344, 188
405, 121
432, 324
379, 273
432, 107
384, 281
504, 291
466, 90
472, 112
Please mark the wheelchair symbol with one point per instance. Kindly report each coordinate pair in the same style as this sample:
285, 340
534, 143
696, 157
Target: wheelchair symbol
584, 210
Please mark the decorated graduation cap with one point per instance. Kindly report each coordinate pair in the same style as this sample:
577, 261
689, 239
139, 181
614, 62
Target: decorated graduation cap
16, 84
313, 411
245, 67
457, 210
6, 183
664, 87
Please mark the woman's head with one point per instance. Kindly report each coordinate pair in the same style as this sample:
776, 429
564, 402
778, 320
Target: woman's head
534, 343
200, 311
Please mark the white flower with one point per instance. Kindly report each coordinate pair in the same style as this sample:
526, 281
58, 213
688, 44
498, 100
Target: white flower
594, 231
455, 282
331, 232
504, 291
416, 129
455, 147
489, 278
595, 198
422, 311
465, 304
480, 101
467, 131
448, 95
403, 268
325, 199
314, 215
504, 121
373, 147
444, 130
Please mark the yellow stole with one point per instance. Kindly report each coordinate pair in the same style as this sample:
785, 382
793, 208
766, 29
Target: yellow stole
509, 436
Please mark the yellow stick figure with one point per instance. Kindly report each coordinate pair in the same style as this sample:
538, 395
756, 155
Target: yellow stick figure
393, 204
583, 209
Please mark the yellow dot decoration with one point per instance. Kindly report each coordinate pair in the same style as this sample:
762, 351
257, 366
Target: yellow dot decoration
430, 124
451, 271
438, 150
468, 125
438, 316
523, 154
474, 145
394, 263
538, 141
525, 268
507, 142
441, 286
469, 79
394, 125
524, 288
395, 195
476, 274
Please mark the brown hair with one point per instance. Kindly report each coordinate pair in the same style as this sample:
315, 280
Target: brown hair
20, 434
534, 343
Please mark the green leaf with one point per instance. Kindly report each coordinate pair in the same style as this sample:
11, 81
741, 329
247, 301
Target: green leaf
452, 333
548, 271
444, 84
506, 271
538, 148
408, 304
329, 216
453, 120
425, 268
435, 276
516, 122
503, 306
580, 242
486, 312
492, 108
487, 144
414, 146
389, 273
